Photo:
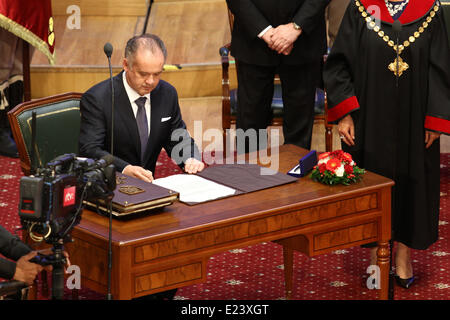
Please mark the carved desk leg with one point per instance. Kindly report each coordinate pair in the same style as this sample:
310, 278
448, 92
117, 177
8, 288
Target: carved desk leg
383, 262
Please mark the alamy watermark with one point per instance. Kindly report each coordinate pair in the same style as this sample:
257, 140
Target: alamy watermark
210, 143
74, 20
373, 281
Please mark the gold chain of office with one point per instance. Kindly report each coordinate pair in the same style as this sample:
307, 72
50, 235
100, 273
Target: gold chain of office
398, 66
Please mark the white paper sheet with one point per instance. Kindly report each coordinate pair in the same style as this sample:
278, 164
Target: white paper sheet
193, 188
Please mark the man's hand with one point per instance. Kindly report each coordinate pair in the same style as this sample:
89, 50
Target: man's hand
346, 130
27, 271
267, 37
430, 136
193, 165
283, 37
288, 50
138, 172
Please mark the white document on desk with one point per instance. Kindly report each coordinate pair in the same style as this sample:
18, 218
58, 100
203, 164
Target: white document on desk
194, 189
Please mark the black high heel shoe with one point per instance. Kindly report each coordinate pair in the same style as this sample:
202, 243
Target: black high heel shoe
404, 283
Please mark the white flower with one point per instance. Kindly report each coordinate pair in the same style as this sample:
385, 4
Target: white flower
325, 160
340, 171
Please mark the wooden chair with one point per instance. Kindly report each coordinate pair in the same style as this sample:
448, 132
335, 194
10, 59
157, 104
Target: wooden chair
57, 130
229, 101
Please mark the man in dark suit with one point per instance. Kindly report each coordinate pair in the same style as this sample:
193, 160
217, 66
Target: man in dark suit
147, 116
285, 37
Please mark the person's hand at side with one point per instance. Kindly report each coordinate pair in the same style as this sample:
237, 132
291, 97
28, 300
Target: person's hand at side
430, 136
27, 271
138, 172
193, 166
346, 130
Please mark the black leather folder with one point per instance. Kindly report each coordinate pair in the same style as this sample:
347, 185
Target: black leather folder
133, 195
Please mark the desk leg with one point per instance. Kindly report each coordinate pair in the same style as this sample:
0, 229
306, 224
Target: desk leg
288, 256
383, 256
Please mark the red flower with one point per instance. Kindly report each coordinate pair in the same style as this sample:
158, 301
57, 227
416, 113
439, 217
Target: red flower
333, 164
337, 153
348, 169
322, 168
347, 157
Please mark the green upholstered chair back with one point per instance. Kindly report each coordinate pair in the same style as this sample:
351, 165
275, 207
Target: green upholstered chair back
446, 7
57, 128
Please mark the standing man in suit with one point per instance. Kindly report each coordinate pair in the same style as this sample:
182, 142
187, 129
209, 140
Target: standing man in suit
285, 37
147, 115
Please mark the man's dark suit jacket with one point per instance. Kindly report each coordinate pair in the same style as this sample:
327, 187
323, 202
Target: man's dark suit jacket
12, 248
95, 131
253, 16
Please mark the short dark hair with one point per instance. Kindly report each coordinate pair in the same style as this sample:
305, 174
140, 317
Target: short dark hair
149, 41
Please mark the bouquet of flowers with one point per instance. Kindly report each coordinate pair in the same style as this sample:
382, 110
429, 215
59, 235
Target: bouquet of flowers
336, 167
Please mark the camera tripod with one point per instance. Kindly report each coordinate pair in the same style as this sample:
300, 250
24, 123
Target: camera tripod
57, 260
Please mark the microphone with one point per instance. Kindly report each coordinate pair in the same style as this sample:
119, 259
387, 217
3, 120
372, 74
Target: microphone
108, 49
103, 162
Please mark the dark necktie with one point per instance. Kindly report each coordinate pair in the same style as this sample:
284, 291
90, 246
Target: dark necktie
141, 119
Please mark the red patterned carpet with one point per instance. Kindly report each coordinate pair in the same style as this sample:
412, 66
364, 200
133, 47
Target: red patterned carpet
256, 272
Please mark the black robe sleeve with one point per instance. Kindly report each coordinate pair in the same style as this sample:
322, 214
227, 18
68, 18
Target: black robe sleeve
438, 107
339, 69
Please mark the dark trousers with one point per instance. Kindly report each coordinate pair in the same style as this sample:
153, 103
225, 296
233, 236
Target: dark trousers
255, 93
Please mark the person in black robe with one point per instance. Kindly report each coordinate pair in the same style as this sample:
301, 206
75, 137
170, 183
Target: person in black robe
388, 88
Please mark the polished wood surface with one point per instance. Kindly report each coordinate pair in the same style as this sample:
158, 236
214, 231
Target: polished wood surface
193, 32
201, 28
170, 247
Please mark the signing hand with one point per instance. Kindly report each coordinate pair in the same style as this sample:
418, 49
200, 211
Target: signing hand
346, 130
192, 165
138, 172
283, 37
430, 136
27, 271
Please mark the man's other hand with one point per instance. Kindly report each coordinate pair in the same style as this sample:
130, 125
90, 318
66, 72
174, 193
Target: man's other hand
192, 165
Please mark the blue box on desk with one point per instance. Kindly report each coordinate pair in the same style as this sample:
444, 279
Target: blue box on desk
305, 165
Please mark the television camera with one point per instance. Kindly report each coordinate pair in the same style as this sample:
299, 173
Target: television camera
52, 200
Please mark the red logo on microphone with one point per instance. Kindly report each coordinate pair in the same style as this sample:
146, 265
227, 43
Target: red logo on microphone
69, 196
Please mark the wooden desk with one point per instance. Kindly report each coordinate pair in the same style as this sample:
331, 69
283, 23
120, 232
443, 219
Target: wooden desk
170, 247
